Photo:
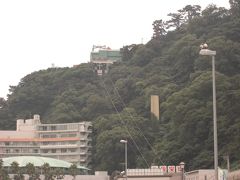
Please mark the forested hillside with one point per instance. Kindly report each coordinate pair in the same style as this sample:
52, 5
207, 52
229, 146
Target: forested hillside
118, 103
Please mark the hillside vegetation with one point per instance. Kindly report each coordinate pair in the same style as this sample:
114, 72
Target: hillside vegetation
118, 103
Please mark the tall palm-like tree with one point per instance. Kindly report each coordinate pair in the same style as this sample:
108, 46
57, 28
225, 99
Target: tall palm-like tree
47, 172
16, 171
3, 172
59, 173
73, 170
31, 171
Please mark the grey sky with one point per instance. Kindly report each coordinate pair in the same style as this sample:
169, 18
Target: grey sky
35, 34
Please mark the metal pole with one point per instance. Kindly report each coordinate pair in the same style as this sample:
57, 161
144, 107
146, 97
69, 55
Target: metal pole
182, 173
215, 120
126, 160
228, 163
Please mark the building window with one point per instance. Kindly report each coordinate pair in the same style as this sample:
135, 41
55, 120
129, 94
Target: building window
68, 135
42, 128
25, 150
72, 135
72, 126
48, 135
45, 151
53, 128
6, 143
63, 150
53, 150
72, 150
72, 142
16, 150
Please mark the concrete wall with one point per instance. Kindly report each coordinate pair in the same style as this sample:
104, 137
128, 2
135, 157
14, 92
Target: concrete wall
87, 177
78, 177
234, 175
15, 134
175, 176
147, 178
202, 174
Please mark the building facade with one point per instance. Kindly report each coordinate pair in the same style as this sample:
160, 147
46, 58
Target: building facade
102, 57
206, 174
69, 142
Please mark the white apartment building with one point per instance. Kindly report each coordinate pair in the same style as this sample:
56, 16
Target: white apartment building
69, 142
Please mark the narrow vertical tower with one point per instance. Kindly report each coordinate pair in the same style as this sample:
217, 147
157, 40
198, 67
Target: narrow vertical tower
155, 106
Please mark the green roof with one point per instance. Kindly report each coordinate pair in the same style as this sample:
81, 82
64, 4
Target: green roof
38, 161
113, 55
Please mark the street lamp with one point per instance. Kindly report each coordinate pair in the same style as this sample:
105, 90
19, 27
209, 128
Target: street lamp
182, 164
125, 142
206, 52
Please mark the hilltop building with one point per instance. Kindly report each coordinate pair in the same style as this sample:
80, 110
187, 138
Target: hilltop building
70, 142
102, 57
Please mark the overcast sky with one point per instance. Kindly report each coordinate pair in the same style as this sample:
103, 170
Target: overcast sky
34, 34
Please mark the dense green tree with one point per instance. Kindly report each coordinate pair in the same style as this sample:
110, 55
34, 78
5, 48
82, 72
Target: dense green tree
143, 56
47, 172
128, 51
32, 172
176, 20
191, 11
158, 29
3, 172
235, 7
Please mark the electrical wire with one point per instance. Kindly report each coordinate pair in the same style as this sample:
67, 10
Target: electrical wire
120, 118
140, 131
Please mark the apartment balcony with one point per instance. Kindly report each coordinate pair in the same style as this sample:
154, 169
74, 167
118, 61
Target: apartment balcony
60, 154
56, 131
58, 146
83, 145
83, 137
83, 160
19, 154
85, 152
19, 146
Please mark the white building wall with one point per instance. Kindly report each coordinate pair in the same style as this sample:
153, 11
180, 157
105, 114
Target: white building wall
202, 174
70, 141
15, 134
147, 178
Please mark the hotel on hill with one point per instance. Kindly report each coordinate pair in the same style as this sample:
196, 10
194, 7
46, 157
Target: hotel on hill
69, 142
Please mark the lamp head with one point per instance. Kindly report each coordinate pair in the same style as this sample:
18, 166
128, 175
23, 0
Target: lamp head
123, 141
182, 164
122, 173
204, 46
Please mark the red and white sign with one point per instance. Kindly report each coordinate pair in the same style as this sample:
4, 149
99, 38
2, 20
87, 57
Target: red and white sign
171, 169
163, 169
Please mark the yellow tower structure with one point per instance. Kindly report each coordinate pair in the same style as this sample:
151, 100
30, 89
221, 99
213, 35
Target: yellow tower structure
155, 106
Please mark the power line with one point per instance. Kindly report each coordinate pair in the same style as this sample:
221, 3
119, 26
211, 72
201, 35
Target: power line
125, 126
117, 92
